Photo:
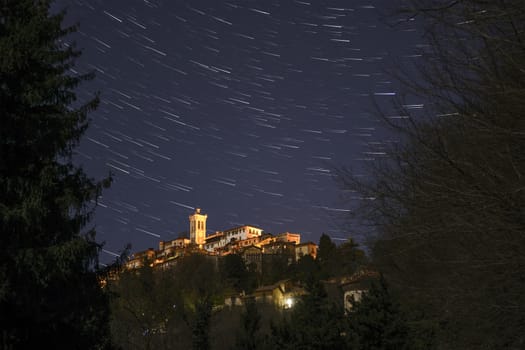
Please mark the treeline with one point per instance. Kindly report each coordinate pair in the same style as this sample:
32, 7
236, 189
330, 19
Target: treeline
182, 306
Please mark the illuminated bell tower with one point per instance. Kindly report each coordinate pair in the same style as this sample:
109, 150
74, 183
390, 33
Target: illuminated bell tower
198, 227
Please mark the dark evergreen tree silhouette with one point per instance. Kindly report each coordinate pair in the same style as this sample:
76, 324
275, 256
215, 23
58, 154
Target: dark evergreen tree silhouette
377, 322
50, 294
233, 272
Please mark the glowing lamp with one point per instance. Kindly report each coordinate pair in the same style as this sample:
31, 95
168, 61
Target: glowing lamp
288, 303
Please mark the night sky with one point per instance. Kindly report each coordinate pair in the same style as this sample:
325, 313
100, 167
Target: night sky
241, 108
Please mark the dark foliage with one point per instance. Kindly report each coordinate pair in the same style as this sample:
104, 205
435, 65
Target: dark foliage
49, 289
314, 323
342, 260
166, 308
307, 271
248, 337
377, 323
235, 274
201, 324
448, 202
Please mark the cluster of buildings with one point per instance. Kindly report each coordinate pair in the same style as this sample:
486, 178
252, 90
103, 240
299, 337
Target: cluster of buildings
345, 291
250, 242
254, 246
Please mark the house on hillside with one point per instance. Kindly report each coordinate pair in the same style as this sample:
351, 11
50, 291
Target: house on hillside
138, 259
303, 249
347, 290
283, 294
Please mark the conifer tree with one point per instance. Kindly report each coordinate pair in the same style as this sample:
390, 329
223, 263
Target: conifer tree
327, 256
49, 290
377, 322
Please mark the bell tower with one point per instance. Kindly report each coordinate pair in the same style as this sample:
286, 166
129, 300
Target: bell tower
198, 227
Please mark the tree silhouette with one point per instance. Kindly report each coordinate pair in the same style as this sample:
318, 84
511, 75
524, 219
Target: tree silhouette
49, 289
448, 202
377, 322
315, 322
248, 335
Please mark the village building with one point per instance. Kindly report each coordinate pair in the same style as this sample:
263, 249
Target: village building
307, 248
283, 294
348, 290
245, 234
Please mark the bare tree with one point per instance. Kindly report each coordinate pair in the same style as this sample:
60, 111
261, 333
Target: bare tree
448, 203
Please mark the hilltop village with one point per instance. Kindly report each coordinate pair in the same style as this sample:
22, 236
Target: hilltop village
258, 250
250, 242
217, 285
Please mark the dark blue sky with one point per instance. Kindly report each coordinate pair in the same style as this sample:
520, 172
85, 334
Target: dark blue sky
240, 108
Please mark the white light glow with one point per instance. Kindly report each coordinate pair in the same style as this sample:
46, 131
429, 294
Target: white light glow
288, 303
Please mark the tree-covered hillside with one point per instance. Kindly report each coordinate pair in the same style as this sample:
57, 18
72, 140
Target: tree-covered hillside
184, 306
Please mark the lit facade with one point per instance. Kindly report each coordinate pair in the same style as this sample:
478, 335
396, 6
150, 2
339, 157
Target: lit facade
303, 249
248, 241
219, 240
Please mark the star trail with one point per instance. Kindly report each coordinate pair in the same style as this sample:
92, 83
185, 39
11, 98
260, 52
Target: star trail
241, 108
